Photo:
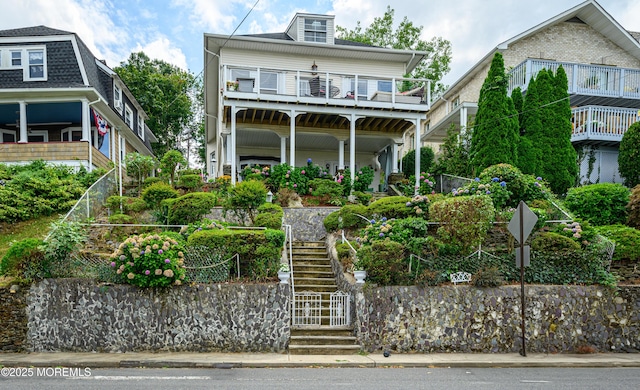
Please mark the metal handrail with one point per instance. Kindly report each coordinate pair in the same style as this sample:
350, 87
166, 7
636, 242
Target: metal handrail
288, 241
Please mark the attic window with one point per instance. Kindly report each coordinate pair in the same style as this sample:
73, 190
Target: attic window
315, 30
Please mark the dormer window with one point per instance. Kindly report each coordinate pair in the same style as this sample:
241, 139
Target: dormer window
140, 126
117, 98
16, 58
315, 30
36, 70
128, 116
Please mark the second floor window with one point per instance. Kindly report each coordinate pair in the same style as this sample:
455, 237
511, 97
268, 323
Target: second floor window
128, 116
16, 58
117, 98
36, 64
140, 126
315, 30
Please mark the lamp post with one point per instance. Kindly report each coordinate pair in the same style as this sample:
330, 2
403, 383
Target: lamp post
269, 196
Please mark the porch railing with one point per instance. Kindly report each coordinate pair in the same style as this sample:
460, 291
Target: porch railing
303, 85
584, 79
602, 123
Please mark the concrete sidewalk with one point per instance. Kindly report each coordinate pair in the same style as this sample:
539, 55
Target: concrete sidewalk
273, 360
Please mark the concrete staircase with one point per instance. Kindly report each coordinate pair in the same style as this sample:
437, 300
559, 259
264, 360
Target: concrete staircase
312, 273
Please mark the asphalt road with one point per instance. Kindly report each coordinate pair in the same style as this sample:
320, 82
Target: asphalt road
327, 378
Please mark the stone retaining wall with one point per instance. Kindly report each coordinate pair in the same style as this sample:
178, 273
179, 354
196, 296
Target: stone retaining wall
78, 315
13, 317
470, 319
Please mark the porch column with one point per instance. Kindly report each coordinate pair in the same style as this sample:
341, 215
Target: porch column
86, 123
341, 154
352, 147
232, 147
417, 146
23, 122
283, 150
463, 120
227, 149
394, 158
292, 142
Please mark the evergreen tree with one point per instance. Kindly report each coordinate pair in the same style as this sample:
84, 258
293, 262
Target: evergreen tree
453, 158
495, 135
560, 166
528, 161
629, 156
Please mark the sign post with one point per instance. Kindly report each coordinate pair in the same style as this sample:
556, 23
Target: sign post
520, 227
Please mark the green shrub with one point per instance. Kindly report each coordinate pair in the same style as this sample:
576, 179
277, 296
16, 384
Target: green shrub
20, 255
270, 216
149, 261
354, 216
245, 198
152, 180
409, 161
633, 208
363, 197
363, 179
191, 207
579, 231
129, 204
464, 220
259, 250
155, 193
419, 205
119, 218
627, 240
487, 277
385, 263
332, 222
517, 186
175, 236
325, 188
190, 182
600, 204
553, 242
391, 207
287, 197
409, 228
628, 156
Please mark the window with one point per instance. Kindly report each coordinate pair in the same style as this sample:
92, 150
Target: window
384, 86
69, 135
140, 126
315, 30
7, 136
362, 89
117, 98
268, 82
128, 116
38, 136
36, 69
16, 58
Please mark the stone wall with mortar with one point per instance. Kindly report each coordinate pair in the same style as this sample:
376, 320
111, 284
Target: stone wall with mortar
470, 319
79, 315
13, 317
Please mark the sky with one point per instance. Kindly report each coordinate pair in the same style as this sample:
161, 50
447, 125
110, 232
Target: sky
172, 30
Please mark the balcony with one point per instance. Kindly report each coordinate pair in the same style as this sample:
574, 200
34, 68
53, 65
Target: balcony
588, 84
601, 125
68, 153
325, 88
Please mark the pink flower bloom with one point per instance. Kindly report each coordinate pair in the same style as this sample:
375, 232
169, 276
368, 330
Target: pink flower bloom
167, 261
113, 263
147, 272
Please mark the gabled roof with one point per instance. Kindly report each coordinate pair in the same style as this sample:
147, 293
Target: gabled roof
591, 13
35, 31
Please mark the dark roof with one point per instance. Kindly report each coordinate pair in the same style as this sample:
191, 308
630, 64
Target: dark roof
35, 31
286, 37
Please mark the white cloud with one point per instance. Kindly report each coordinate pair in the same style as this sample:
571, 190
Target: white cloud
163, 49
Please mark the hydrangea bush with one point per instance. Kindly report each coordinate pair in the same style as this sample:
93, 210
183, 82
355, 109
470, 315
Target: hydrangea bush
149, 261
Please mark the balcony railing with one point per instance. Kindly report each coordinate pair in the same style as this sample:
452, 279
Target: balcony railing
584, 79
606, 124
324, 87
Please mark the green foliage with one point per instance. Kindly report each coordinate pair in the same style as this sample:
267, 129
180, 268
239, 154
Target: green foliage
152, 180
128, 204
376, 231
64, 239
627, 240
286, 176
87, 178
154, 194
149, 261
163, 92
354, 216
245, 198
406, 36
579, 231
286, 197
464, 220
409, 162
169, 164
385, 263
363, 179
270, 216
495, 134
453, 158
190, 182
600, 204
332, 222
191, 207
487, 277
329, 190
259, 250
633, 207
553, 242
20, 255
391, 207
419, 205
363, 197
629, 155
139, 167
255, 172
120, 219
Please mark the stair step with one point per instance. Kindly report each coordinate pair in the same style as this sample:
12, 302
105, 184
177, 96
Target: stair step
322, 331
322, 340
328, 288
323, 349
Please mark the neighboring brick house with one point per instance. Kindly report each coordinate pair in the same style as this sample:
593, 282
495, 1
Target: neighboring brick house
602, 61
288, 97
52, 92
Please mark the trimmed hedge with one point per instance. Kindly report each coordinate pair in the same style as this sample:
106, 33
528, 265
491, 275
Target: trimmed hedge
191, 207
600, 204
391, 207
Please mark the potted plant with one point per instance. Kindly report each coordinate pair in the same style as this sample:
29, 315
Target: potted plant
232, 85
284, 273
358, 272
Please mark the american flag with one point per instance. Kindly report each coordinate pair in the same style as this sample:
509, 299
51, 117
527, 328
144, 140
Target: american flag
101, 123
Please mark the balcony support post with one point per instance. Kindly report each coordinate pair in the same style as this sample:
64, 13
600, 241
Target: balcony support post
352, 148
394, 158
341, 154
283, 150
86, 123
417, 148
234, 111
23, 123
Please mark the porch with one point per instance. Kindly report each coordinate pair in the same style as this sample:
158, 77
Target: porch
588, 84
601, 125
68, 153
